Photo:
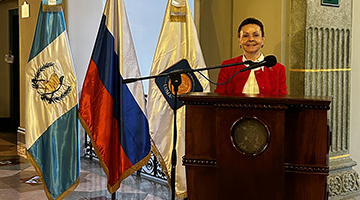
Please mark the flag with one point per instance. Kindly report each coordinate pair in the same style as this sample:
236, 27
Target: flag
112, 113
51, 122
177, 41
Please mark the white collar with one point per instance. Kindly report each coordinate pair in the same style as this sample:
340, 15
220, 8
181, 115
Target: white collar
261, 58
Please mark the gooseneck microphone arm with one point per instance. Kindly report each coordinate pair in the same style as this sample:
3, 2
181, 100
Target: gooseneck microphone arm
130, 80
269, 61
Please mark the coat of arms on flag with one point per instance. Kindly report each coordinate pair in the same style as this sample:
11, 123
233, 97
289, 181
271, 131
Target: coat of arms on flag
51, 123
50, 83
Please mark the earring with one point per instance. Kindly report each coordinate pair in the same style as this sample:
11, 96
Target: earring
262, 46
240, 46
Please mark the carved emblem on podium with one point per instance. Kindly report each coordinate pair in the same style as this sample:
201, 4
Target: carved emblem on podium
250, 136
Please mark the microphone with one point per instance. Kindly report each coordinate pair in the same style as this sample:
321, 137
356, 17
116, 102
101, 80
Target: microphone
269, 61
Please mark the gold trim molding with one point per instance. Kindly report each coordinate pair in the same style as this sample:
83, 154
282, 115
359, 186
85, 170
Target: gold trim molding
320, 70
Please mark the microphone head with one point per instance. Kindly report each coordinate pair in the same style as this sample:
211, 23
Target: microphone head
270, 61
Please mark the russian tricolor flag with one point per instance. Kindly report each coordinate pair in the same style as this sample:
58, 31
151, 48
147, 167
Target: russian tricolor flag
112, 113
51, 122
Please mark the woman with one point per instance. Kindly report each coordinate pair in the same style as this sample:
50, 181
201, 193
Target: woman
262, 80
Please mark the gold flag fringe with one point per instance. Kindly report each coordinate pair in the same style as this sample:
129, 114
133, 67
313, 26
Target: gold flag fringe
38, 171
128, 172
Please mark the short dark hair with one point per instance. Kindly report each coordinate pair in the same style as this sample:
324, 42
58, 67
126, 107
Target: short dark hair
251, 20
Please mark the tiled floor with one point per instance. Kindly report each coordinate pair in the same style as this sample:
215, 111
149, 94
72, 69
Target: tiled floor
18, 180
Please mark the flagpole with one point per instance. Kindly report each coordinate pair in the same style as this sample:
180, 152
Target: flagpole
113, 196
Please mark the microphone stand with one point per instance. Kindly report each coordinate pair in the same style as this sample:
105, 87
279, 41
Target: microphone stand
175, 77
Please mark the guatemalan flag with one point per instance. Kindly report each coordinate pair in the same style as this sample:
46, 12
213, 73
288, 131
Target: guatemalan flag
112, 113
51, 122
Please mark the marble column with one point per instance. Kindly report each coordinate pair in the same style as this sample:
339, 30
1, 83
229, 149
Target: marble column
320, 49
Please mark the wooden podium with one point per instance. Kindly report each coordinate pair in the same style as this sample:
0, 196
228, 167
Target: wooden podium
256, 147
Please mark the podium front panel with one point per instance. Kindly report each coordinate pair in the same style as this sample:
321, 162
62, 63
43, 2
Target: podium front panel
249, 173
254, 148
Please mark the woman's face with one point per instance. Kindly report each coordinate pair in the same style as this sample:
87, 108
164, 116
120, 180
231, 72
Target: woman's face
251, 38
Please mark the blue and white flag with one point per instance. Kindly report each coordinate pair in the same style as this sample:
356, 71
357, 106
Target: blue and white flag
51, 121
